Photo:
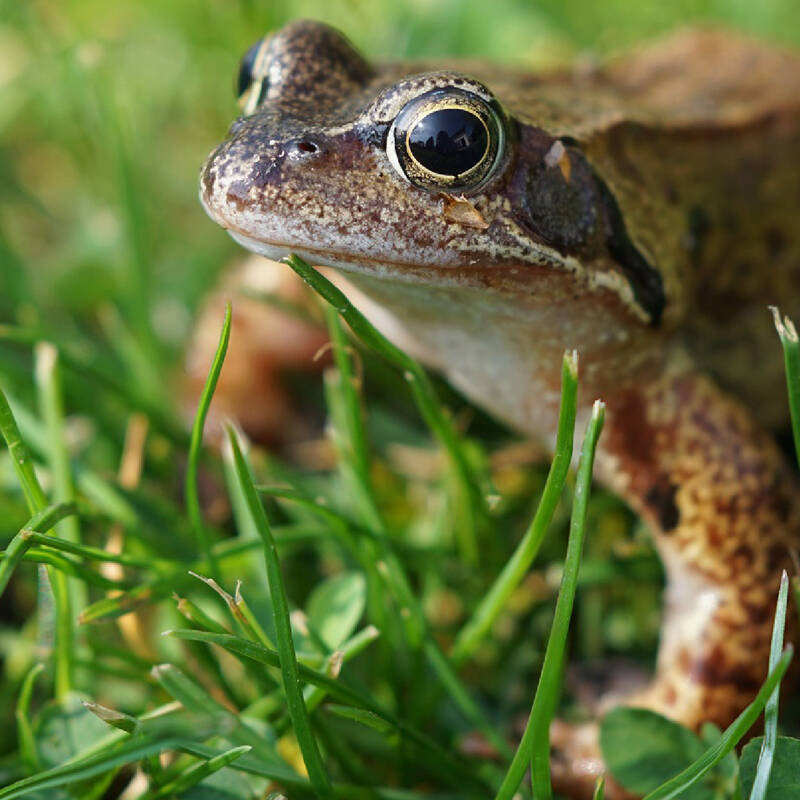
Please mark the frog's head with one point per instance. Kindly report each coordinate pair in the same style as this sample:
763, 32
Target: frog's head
417, 175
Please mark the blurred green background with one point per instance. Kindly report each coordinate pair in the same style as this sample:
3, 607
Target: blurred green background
109, 107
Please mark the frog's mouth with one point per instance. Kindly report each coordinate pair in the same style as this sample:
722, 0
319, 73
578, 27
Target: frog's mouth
353, 263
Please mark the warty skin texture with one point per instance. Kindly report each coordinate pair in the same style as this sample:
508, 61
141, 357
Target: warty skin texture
642, 213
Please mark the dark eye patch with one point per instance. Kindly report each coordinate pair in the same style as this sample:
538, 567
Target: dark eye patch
564, 212
576, 212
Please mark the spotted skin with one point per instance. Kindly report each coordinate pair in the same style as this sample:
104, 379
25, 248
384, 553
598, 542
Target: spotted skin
642, 212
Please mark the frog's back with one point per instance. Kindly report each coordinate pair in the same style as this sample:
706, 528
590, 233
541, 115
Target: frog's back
698, 136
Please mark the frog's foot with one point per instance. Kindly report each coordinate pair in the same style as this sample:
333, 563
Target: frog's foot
576, 762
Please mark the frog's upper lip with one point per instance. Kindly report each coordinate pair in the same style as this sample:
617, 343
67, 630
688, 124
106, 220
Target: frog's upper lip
373, 264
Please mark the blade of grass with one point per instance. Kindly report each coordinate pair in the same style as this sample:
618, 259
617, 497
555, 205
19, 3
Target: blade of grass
20, 457
106, 496
68, 594
534, 749
421, 387
674, 787
283, 631
83, 769
600, 789
356, 644
356, 434
42, 521
112, 717
515, 569
196, 773
196, 444
347, 432
84, 362
27, 742
48, 379
163, 586
451, 768
37, 502
73, 569
764, 766
351, 442
791, 360
344, 791
391, 570
96, 553
227, 723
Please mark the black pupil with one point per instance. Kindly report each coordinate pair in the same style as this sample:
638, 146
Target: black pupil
245, 77
450, 141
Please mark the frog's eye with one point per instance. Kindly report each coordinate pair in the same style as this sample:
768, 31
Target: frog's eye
252, 82
446, 139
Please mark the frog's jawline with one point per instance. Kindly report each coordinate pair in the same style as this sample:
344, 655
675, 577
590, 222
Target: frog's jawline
404, 272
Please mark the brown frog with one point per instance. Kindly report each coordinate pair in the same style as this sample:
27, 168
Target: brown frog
643, 212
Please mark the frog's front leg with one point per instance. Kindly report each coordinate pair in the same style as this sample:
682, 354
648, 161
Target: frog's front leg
723, 508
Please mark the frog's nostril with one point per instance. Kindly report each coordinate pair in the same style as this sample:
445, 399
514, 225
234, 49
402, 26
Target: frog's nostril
301, 148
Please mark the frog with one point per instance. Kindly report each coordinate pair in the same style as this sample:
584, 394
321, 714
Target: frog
640, 211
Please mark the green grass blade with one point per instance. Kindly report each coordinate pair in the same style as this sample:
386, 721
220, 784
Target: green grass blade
314, 695
354, 423
21, 458
191, 490
600, 789
283, 630
73, 569
85, 364
347, 432
91, 767
196, 699
43, 521
97, 553
115, 719
250, 765
729, 739
112, 607
767, 753
451, 768
535, 745
791, 360
421, 387
515, 569
36, 500
197, 772
48, 379
416, 627
68, 594
461, 697
27, 742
